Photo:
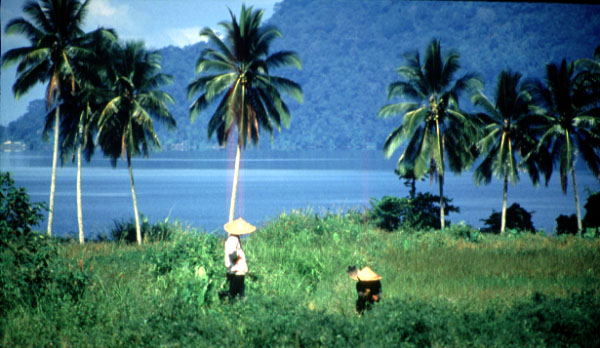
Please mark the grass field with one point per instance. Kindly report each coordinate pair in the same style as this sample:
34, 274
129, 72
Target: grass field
455, 288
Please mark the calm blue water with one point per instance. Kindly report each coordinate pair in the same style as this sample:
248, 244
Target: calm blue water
195, 188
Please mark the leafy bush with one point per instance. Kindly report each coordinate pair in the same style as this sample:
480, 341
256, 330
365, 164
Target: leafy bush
124, 231
592, 207
517, 218
566, 224
17, 214
420, 212
465, 232
30, 269
189, 268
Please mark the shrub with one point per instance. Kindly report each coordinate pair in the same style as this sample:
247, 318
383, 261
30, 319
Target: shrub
592, 207
420, 212
189, 268
30, 269
17, 214
124, 231
517, 218
566, 224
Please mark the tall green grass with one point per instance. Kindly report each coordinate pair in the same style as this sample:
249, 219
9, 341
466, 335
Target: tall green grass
454, 288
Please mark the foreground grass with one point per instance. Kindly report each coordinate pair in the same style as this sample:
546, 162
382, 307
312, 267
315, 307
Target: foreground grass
439, 289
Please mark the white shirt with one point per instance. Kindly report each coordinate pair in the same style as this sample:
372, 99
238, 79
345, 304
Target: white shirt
235, 259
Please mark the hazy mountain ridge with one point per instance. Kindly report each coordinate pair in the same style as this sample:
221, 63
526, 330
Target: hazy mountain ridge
350, 49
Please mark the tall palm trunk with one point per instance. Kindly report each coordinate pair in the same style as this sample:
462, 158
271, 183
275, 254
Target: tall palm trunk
79, 213
504, 195
138, 231
442, 210
577, 209
235, 182
54, 163
441, 176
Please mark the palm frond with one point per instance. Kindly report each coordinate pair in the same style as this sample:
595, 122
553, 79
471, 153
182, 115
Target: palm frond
284, 58
23, 27
403, 89
394, 139
396, 109
288, 86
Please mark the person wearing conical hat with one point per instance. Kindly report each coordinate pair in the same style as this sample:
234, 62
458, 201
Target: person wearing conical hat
235, 259
368, 287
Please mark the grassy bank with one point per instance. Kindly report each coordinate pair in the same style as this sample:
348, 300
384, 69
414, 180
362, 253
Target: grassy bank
454, 288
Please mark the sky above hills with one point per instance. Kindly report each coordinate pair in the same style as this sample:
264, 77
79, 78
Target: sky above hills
159, 23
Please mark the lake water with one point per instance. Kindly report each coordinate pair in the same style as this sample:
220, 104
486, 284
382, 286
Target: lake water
195, 188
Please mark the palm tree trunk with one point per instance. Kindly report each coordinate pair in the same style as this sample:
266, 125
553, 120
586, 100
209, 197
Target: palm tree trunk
53, 178
442, 205
79, 213
138, 231
577, 209
504, 195
235, 182
441, 176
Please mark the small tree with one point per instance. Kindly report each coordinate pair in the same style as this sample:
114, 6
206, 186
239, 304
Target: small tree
417, 212
17, 214
566, 224
517, 218
592, 207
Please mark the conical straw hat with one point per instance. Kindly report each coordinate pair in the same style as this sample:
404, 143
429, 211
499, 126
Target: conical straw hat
367, 274
239, 227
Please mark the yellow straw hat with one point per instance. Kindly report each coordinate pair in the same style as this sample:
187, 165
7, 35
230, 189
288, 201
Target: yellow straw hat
239, 227
366, 275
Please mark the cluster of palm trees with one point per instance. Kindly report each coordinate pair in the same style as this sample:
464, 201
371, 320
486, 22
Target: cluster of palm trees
104, 92
532, 126
100, 91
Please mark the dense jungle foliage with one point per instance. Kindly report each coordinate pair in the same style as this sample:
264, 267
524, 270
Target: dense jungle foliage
350, 49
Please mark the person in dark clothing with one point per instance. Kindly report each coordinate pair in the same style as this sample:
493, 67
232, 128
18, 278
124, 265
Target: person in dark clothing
368, 287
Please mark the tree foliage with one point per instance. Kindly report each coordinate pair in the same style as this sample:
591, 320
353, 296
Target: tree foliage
412, 213
592, 207
517, 218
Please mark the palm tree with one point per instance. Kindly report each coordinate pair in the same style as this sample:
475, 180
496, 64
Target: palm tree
81, 107
133, 100
55, 34
570, 123
507, 134
238, 70
432, 121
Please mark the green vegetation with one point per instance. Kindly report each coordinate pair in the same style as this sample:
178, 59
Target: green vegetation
449, 287
439, 289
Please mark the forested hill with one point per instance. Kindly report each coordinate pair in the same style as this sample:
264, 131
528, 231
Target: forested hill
350, 50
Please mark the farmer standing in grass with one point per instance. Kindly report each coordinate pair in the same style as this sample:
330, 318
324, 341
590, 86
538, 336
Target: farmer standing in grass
235, 259
368, 287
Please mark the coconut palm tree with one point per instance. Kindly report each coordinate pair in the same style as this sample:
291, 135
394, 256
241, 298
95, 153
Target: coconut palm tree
237, 70
81, 107
55, 34
570, 123
508, 133
433, 124
133, 100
